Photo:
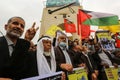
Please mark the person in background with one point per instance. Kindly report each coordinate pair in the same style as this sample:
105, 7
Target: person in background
63, 59
14, 58
45, 56
103, 60
75, 53
77, 41
89, 43
90, 64
32, 47
116, 57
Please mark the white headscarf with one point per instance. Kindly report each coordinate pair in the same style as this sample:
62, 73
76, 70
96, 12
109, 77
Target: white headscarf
58, 34
43, 66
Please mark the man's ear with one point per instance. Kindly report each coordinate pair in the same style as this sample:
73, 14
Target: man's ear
6, 26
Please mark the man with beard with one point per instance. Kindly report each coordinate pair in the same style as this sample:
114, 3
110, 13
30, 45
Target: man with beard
45, 56
63, 59
14, 57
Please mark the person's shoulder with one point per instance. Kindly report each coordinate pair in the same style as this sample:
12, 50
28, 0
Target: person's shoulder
23, 43
56, 47
2, 38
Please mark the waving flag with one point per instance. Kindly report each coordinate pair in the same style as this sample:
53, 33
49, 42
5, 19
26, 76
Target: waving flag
69, 26
85, 19
112, 28
83, 30
51, 30
100, 19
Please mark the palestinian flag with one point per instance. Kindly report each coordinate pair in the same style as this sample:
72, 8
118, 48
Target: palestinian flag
100, 19
83, 30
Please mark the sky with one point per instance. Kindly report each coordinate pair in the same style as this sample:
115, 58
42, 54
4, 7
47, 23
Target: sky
31, 10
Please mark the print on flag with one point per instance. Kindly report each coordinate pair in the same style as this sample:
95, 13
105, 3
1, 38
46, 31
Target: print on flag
69, 26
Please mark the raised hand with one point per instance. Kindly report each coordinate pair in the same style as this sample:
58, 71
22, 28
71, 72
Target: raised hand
30, 33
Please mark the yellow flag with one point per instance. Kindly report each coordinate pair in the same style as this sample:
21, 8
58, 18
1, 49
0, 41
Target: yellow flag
115, 28
51, 31
112, 28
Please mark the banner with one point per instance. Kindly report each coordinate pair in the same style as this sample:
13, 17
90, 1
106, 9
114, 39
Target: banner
105, 40
52, 76
52, 29
113, 73
78, 74
112, 28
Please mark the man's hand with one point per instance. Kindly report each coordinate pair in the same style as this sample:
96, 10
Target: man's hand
96, 72
82, 65
63, 76
67, 67
105, 65
30, 33
94, 77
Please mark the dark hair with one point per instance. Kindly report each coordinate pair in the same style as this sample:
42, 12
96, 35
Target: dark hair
72, 44
15, 17
76, 39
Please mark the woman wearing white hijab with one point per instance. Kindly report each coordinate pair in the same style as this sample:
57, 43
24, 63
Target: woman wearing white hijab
43, 64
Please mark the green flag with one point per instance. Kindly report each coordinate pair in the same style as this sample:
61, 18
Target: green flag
101, 19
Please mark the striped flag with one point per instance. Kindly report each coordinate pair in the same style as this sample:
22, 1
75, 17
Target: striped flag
83, 30
100, 19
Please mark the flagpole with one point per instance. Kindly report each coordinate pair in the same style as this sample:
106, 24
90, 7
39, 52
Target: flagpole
79, 26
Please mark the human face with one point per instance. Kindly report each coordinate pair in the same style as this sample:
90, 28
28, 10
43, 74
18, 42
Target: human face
47, 45
77, 41
15, 27
62, 39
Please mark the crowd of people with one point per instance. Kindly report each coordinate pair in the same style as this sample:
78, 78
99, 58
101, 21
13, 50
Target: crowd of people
20, 58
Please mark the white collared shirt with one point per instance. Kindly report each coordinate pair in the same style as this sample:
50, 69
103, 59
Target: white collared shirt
9, 45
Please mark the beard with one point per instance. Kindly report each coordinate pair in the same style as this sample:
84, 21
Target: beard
14, 33
47, 53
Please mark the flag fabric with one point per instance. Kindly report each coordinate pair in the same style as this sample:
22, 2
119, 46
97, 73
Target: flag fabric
51, 30
112, 28
117, 36
69, 26
100, 19
92, 30
83, 30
